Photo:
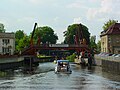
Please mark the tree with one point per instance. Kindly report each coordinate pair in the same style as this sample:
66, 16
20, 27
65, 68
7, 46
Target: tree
108, 24
23, 42
18, 36
99, 46
92, 42
46, 35
2, 28
71, 31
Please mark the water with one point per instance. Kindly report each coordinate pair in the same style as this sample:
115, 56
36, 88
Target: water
44, 78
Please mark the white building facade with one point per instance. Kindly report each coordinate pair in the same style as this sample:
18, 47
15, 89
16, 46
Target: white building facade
7, 43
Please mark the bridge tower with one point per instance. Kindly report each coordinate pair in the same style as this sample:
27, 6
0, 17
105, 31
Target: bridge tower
79, 37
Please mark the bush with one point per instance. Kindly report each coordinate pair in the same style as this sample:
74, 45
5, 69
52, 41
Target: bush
71, 57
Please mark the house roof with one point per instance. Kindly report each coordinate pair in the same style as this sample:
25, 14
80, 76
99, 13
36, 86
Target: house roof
112, 30
7, 35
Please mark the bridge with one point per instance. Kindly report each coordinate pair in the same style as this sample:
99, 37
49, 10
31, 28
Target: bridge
30, 53
79, 45
34, 48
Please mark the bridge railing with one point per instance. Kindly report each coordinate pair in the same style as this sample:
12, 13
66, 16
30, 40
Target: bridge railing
57, 45
61, 45
81, 45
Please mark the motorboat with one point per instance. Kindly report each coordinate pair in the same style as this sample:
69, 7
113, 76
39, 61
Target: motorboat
63, 66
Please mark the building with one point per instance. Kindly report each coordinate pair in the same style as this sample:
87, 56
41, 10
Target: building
7, 43
110, 39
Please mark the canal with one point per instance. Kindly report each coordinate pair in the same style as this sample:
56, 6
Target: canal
44, 78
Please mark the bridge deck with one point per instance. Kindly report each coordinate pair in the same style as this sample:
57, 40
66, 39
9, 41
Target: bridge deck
55, 47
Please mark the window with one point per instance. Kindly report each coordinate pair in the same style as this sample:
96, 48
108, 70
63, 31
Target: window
119, 51
109, 39
5, 41
102, 43
2, 49
117, 40
5, 50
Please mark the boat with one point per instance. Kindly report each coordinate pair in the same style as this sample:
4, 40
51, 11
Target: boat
63, 66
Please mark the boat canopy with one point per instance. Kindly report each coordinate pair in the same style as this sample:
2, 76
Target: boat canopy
62, 60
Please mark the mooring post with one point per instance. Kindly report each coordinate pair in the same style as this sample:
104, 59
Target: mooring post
30, 64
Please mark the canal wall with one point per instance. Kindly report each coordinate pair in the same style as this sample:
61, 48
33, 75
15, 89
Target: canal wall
14, 62
10, 62
109, 63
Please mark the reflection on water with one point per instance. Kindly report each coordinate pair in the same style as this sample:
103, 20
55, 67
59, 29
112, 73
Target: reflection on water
44, 78
111, 76
7, 75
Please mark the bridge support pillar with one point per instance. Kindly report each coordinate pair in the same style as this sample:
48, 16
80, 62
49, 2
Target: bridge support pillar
29, 64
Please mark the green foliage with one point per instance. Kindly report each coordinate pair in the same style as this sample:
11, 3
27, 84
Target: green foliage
69, 34
2, 30
99, 46
71, 58
71, 30
108, 24
19, 34
23, 42
18, 37
92, 42
46, 34
43, 56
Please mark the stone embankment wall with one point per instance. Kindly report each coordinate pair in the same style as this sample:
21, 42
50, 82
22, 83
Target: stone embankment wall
10, 62
109, 63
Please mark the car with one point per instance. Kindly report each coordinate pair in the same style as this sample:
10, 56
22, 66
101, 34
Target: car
102, 54
117, 55
63, 66
108, 54
114, 55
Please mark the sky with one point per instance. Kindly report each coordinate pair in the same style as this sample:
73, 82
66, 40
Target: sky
58, 14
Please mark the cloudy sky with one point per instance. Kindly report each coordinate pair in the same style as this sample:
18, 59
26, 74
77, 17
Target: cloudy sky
58, 14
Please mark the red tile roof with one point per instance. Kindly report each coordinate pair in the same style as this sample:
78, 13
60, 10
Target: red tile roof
114, 29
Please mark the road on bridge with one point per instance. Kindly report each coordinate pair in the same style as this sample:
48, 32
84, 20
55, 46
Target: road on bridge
46, 79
